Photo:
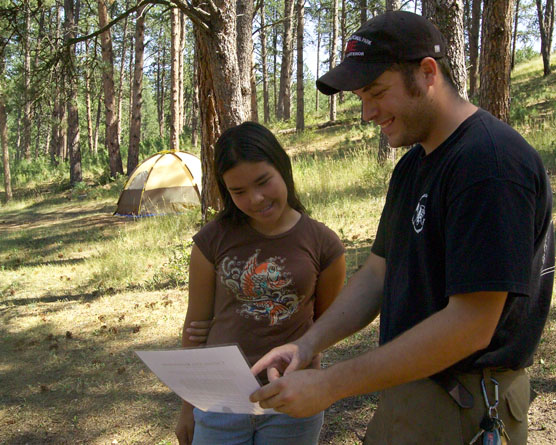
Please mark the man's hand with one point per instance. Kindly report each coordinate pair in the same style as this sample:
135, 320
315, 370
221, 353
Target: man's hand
198, 331
299, 394
283, 360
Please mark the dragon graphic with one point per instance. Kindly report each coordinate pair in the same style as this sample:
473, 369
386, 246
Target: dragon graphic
264, 288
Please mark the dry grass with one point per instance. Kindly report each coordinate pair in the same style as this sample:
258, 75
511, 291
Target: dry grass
68, 371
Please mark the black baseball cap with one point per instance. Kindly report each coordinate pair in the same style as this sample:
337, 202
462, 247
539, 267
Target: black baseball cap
394, 36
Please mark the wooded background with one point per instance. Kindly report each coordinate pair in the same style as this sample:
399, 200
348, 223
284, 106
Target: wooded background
108, 81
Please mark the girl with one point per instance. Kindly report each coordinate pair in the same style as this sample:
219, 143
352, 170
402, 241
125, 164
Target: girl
262, 271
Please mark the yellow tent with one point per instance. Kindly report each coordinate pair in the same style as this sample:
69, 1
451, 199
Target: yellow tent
167, 182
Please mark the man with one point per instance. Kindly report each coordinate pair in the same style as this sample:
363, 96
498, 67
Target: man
461, 270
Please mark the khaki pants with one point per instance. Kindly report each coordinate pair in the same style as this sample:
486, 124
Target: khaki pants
422, 412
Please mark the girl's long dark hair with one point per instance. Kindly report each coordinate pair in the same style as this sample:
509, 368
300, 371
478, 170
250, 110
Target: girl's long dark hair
250, 142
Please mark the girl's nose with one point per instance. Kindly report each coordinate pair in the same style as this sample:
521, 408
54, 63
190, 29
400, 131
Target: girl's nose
256, 196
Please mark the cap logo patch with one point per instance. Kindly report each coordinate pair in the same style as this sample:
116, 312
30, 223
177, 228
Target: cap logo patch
352, 49
360, 39
436, 48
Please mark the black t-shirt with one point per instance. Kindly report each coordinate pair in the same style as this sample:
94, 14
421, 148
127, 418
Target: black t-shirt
474, 215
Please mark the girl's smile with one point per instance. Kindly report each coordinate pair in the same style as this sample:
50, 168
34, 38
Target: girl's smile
259, 191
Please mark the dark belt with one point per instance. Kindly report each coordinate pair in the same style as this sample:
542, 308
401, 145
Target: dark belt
454, 388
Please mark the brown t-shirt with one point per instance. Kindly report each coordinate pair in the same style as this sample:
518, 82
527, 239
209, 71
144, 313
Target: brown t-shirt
265, 285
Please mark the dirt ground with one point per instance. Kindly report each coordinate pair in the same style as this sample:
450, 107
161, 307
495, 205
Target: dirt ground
69, 375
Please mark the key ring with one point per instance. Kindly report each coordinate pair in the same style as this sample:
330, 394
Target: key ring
492, 411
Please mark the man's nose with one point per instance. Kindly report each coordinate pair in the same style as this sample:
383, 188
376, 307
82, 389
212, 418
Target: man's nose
369, 110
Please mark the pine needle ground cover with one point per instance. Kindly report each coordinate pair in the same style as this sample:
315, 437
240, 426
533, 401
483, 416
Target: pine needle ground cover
80, 290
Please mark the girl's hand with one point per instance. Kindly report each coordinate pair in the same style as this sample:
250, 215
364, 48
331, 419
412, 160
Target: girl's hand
186, 424
198, 331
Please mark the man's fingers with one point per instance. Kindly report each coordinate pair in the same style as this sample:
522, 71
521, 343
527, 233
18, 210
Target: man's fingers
262, 364
265, 393
273, 374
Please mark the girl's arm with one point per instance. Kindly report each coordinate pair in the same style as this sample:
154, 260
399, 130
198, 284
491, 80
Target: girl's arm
200, 307
329, 283
202, 279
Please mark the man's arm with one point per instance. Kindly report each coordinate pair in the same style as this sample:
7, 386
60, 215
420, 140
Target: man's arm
356, 306
465, 326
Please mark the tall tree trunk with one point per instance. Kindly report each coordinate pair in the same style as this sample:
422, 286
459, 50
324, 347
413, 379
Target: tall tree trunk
130, 69
8, 195
264, 71
88, 104
35, 67
284, 97
210, 129
181, 74
332, 56
195, 107
447, 15
300, 114
55, 138
175, 76
343, 40
26, 133
495, 61
386, 152
254, 104
244, 26
474, 37
71, 12
220, 98
121, 79
319, 37
275, 65
97, 123
160, 87
137, 93
546, 27
55, 122
514, 38
111, 134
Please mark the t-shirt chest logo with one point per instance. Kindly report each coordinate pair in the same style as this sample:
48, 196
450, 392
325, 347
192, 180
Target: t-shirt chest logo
418, 219
264, 288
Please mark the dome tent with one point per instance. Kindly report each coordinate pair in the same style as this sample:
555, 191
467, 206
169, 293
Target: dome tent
166, 182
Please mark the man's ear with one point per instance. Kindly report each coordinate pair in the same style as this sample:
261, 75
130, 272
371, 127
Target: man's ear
429, 70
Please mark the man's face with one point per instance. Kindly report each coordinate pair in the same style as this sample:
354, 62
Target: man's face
403, 117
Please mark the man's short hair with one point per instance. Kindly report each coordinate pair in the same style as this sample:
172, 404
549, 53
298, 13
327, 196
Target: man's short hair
407, 70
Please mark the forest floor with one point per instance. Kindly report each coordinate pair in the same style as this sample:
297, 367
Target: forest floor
68, 371
81, 290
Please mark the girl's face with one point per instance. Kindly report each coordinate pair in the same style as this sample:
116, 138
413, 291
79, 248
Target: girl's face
259, 191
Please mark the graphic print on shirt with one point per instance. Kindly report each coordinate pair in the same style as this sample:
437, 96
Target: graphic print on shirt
418, 219
264, 288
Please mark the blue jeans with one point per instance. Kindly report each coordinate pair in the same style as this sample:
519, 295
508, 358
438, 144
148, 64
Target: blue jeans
246, 429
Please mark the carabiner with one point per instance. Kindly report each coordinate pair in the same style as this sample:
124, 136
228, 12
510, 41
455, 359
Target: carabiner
492, 412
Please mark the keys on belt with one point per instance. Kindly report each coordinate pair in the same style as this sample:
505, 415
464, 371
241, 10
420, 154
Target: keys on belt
492, 430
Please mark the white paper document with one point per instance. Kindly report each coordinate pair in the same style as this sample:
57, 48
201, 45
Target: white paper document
214, 379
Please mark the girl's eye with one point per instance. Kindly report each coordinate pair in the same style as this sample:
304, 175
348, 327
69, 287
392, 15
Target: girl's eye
263, 182
237, 192
378, 93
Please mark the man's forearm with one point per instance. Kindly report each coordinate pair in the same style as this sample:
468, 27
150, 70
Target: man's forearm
355, 307
465, 326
